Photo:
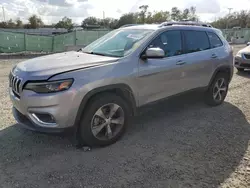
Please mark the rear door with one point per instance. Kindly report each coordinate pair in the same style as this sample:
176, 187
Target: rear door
218, 50
199, 58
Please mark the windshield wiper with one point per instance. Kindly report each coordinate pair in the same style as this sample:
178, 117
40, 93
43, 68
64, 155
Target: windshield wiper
96, 53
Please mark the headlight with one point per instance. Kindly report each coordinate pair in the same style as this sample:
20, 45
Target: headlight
49, 87
239, 54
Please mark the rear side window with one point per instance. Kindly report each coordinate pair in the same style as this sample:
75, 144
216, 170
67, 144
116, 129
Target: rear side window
196, 41
214, 40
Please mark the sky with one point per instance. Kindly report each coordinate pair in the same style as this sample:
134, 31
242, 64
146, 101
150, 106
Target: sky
51, 11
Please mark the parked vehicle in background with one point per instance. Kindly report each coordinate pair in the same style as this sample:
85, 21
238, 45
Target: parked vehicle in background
95, 91
242, 59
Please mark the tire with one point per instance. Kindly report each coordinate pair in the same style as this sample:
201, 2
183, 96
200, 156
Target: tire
213, 96
240, 69
87, 129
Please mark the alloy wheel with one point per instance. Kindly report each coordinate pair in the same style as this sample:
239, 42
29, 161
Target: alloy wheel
220, 89
107, 121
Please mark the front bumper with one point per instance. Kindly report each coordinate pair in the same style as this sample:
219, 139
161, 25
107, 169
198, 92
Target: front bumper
57, 105
240, 62
28, 124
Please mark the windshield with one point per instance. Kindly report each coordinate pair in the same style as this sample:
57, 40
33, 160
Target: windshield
118, 43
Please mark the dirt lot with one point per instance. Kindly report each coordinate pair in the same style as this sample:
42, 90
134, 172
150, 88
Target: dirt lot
179, 143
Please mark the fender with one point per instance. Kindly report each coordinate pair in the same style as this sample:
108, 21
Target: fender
224, 68
127, 94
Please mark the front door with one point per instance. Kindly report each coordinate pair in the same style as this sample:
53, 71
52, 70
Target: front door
160, 78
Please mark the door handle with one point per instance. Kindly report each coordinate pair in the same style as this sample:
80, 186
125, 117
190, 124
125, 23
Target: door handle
214, 56
180, 62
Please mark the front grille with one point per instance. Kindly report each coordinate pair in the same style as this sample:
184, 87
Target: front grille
247, 56
245, 65
15, 83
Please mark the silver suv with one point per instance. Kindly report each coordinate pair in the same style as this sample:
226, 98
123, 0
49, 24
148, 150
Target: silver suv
96, 90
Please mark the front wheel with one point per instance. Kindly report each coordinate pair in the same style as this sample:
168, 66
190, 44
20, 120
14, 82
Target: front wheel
217, 91
104, 121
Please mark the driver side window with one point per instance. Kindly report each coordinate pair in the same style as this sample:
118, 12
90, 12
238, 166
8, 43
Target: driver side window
169, 42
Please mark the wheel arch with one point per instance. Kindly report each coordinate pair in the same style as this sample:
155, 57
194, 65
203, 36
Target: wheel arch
222, 69
121, 90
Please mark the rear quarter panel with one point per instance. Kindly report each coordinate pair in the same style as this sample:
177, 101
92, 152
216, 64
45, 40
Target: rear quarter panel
225, 58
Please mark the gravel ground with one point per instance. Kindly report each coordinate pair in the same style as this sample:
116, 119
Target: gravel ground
179, 143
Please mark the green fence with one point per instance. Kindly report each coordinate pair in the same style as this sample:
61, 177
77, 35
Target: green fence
38, 43
243, 33
19, 42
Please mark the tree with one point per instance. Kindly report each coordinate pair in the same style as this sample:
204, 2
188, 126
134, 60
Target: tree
93, 22
35, 22
176, 14
142, 14
108, 23
186, 14
65, 23
159, 17
235, 19
3, 25
129, 18
113, 24
19, 23
193, 16
90, 21
10, 24
243, 18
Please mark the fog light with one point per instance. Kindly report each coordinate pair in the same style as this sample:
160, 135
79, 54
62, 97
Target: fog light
44, 118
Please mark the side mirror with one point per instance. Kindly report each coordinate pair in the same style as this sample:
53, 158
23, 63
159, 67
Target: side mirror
153, 53
248, 43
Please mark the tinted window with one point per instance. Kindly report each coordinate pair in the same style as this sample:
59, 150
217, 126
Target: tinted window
196, 41
214, 40
170, 42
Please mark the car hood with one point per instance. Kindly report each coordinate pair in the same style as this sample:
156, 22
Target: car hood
245, 50
47, 66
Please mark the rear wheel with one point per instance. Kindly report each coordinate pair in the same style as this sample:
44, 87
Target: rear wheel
217, 91
240, 69
104, 121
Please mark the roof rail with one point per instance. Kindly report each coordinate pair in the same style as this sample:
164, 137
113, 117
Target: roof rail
185, 23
